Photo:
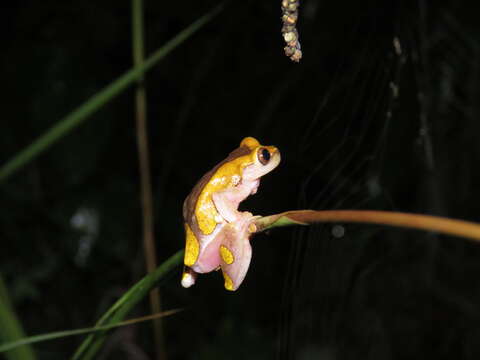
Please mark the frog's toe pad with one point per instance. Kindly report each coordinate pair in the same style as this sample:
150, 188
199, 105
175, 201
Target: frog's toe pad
187, 280
229, 285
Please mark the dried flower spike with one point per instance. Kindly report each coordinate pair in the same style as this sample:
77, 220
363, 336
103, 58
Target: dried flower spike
289, 30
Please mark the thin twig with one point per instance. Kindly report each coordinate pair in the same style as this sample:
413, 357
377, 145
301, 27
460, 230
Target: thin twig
461, 228
146, 187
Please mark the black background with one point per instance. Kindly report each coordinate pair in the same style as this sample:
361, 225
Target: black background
347, 141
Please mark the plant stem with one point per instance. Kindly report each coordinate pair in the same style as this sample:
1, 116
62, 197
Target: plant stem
438, 224
144, 163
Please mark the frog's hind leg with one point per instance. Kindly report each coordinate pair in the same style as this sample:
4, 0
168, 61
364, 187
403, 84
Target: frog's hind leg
189, 277
236, 253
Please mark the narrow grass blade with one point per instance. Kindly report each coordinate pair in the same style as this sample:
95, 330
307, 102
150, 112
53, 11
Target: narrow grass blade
61, 334
11, 329
79, 115
92, 344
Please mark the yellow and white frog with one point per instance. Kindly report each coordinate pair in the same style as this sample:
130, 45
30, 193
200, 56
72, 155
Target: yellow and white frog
217, 234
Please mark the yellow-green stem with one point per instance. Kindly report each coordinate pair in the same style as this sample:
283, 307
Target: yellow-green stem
437, 224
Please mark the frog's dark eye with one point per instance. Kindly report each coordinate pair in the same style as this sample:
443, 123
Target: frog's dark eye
263, 156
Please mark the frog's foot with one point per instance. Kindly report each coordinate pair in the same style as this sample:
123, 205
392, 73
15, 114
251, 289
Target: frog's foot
246, 214
246, 220
188, 277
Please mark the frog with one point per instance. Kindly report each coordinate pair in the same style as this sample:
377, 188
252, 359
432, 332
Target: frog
217, 234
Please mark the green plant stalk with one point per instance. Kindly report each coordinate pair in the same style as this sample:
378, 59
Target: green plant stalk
149, 247
117, 312
79, 115
65, 333
437, 224
11, 329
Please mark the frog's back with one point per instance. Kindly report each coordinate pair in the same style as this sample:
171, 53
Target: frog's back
200, 198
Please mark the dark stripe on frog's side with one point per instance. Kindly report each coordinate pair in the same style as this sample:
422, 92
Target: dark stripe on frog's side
190, 202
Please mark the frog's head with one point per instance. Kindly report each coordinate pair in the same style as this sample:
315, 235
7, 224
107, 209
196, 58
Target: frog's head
263, 159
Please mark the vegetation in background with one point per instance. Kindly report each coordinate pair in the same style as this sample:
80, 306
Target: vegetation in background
381, 114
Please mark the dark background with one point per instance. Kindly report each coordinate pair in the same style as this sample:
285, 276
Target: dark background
359, 124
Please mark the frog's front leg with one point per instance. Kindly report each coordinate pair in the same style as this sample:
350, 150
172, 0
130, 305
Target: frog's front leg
227, 201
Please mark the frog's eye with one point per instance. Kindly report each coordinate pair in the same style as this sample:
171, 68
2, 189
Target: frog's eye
263, 156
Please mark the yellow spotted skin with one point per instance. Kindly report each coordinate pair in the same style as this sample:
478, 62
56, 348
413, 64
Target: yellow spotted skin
225, 177
219, 239
226, 255
192, 247
228, 282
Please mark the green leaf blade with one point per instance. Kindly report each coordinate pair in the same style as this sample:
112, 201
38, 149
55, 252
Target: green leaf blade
117, 312
11, 329
101, 98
